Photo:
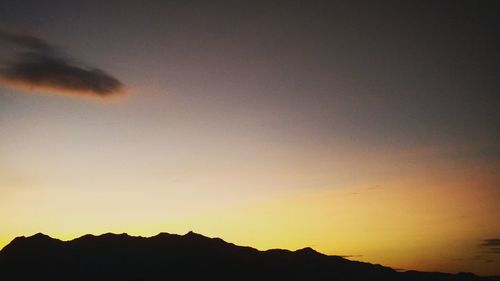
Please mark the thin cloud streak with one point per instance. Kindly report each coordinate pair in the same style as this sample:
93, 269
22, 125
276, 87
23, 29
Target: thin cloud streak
491, 242
491, 246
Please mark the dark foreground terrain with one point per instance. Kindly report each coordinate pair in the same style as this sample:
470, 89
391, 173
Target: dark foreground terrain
189, 257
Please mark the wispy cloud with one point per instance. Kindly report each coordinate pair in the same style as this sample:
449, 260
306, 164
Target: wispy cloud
39, 66
351, 256
491, 246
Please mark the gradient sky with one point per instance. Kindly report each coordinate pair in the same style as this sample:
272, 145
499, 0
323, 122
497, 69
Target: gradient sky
362, 129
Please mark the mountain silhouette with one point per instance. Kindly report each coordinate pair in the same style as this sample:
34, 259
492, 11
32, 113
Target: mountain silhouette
183, 257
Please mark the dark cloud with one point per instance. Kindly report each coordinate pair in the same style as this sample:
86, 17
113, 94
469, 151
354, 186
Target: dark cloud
491, 242
25, 41
40, 66
491, 246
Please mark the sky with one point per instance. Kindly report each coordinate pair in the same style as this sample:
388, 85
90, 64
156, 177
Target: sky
362, 129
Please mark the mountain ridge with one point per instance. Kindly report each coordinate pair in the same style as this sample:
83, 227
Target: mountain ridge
192, 256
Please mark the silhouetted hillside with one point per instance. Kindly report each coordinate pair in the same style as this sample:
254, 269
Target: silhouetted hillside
174, 257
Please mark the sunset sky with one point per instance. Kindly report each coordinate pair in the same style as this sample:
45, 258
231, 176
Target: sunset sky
367, 129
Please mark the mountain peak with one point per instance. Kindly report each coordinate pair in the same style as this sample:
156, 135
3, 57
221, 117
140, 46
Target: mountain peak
308, 251
40, 236
114, 235
36, 241
192, 234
